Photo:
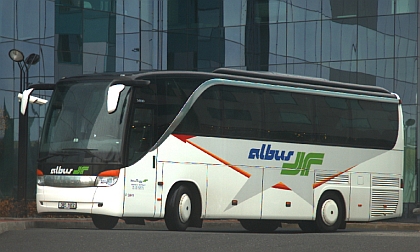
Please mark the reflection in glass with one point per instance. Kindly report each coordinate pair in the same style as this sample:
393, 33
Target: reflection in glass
340, 8
302, 10
405, 6
339, 40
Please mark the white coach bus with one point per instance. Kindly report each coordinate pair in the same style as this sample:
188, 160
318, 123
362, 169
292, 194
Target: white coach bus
182, 146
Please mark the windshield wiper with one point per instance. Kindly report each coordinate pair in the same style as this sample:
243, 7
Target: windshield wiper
79, 149
88, 152
54, 154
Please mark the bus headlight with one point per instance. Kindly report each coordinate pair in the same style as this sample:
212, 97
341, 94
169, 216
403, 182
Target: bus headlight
107, 178
105, 181
40, 180
40, 177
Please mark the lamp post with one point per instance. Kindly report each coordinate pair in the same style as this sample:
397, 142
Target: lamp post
24, 65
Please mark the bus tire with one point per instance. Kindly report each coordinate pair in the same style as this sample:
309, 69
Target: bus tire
178, 209
260, 226
104, 221
329, 213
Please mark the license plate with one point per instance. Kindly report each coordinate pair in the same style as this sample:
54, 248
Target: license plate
67, 205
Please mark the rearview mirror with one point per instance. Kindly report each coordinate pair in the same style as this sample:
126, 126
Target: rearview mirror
25, 100
114, 92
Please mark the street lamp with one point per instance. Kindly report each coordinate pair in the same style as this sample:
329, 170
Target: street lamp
32, 59
16, 55
24, 65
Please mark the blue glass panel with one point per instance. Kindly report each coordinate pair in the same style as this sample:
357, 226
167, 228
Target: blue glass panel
339, 40
68, 20
101, 5
7, 24
234, 13
131, 25
96, 26
304, 41
46, 65
132, 8
28, 20
405, 6
406, 70
277, 11
303, 10
47, 24
7, 65
406, 35
339, 8
131, 46
72, 3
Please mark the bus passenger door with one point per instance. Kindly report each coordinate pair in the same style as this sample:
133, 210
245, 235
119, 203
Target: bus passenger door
140, 175
159, 188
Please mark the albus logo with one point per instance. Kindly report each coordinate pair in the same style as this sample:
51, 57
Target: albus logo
269, 154
59, 170
302, 164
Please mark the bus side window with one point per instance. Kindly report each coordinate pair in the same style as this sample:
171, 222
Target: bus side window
141, 134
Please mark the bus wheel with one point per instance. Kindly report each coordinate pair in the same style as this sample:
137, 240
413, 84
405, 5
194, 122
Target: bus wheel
178, 209
330, 213
260, 226
104, 221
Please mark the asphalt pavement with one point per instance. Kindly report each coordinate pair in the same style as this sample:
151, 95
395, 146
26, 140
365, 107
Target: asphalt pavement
9, 224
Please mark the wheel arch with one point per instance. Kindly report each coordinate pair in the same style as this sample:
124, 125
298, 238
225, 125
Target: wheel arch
196, 210
341, 197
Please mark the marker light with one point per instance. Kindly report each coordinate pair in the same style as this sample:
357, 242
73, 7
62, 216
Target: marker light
40, 177
107, 178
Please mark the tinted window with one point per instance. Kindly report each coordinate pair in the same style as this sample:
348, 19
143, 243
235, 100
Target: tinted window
247, 113
289, 117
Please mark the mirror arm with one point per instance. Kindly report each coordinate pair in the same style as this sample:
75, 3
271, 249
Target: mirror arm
25, 100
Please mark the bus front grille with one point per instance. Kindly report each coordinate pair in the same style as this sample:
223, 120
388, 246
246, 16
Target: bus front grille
69, 181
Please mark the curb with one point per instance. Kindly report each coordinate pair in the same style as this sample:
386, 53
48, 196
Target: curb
11, 224
15, 225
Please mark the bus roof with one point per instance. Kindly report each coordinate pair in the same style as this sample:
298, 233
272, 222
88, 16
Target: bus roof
299, 79
270, 78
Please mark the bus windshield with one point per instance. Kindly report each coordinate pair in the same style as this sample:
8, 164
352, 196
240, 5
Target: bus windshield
78, 127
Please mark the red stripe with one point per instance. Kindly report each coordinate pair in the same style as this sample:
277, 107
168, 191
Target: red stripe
315, 185
282, 186
185, 139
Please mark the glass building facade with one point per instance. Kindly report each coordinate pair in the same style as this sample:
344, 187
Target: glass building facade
370, 42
